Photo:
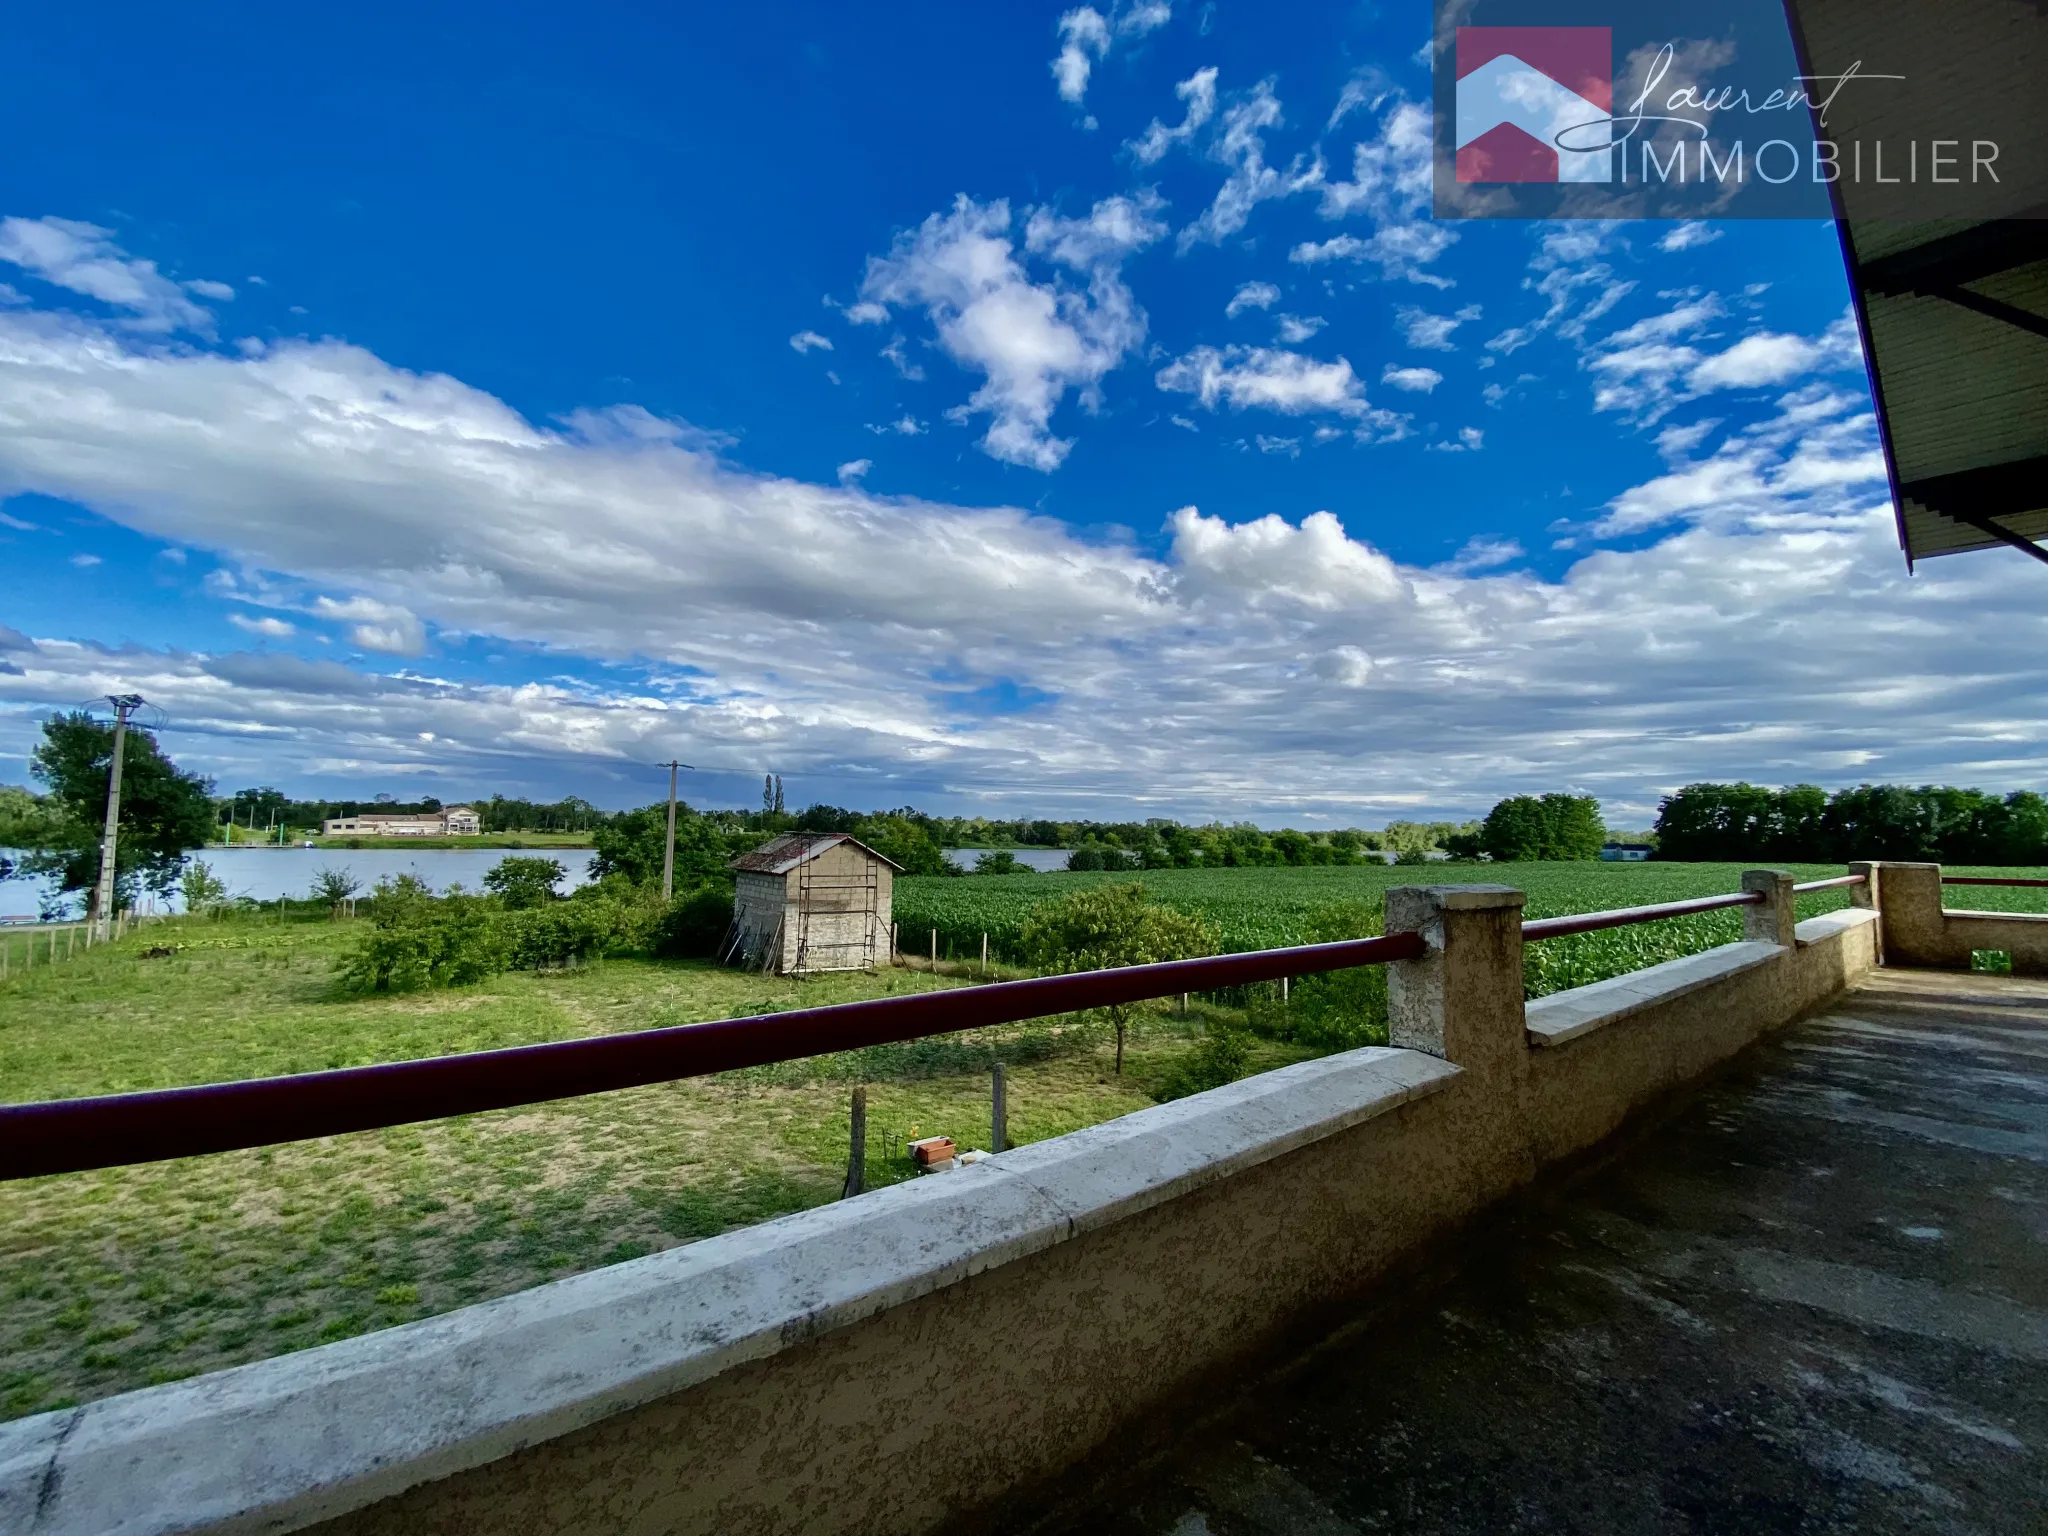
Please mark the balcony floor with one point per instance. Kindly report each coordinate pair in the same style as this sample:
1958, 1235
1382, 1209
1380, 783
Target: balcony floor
1815, 1301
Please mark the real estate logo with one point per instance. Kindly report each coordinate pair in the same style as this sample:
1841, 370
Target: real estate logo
1535, 104
1720, 109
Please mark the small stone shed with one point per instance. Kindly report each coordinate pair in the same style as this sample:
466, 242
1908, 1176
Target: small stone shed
811, 901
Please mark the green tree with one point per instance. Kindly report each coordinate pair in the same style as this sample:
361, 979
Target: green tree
523, 883
334, 885
164, 810
202, 890
631, 845
896, 836
1000, 861
1555, 826
1109, 927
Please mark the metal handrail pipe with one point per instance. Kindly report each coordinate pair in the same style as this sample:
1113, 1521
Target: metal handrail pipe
1828, 885
1990, 880
1592, 922
74, 1135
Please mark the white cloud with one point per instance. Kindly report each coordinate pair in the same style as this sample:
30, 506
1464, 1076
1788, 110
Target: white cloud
1482, 553
1199, 92
900, 360
905, 425
385, 627
1086, 35
1289, 446
1414, 380
84, 259
1032, 341
207, 288
1432, 333
1689, 236
1468, 440
1402, 251
1390, 172
808, 341
1295, 329
85, 562
1267, 379
267, 625
854, 470
1084, 38
1771, 632
1251, 296
1241, 146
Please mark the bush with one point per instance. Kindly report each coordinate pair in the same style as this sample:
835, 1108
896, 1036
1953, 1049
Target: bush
523, 883
537, 938
1338, 1010
1000, 861
694, 924
1222, 1056
416, 940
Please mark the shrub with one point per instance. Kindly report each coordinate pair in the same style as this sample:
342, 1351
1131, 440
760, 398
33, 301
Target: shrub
1000, 861
416, 940
1222, 1056
695, 923
1339, 1010
1112, 925
203, 890
523, 883
535, 938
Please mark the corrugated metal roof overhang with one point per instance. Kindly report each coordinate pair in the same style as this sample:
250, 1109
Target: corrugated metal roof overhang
1954, 313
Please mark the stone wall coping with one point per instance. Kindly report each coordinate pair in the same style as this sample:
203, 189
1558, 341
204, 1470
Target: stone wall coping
1565, 1016
1828, 924
283, 1443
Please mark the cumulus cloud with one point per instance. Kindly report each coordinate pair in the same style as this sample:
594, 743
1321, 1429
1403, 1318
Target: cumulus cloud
1666, 359
1031, 339
1420, 328
1251, 296
1414, 380
1240, 144
1689, 236
1265, 378
380, 626
1199, 92
810, 341
267, 625
1771, 632
1401, 251
84, 259
1086, 36
1295, 329
854, 469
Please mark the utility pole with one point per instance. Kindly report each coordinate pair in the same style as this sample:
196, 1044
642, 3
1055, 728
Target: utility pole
668, 858
103, 898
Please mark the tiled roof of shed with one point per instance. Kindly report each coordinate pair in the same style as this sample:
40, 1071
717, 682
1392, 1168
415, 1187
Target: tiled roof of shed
779, 855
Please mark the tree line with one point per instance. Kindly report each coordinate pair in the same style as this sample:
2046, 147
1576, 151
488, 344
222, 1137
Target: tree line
1803, 823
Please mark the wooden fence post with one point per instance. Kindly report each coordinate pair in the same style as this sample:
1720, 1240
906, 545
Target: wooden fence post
857, 1146
935, 951
984, 956
999, 1111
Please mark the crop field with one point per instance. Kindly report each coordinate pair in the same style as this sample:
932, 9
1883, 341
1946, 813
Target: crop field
1268, 908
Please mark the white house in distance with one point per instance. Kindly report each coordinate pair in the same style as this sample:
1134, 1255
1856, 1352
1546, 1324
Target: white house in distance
450, 821
1626, 853
811, 901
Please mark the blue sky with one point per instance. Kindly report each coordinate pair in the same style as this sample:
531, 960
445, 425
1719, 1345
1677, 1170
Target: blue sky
1041, 409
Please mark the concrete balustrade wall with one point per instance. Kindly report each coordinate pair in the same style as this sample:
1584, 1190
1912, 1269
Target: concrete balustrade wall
899, 1361
1919, 931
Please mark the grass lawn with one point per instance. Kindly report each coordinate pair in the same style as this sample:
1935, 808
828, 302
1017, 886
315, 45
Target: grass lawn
121, 1278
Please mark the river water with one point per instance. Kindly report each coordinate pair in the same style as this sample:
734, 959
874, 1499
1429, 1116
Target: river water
264, 874
268, 873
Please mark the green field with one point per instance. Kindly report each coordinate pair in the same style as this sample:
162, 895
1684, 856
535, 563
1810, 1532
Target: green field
120, 1278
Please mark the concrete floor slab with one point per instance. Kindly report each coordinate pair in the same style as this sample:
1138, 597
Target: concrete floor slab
1815, 1300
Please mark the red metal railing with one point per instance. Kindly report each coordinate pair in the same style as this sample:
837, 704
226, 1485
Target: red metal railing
1593, 922
1828, 885
1989, 880
72, 1135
